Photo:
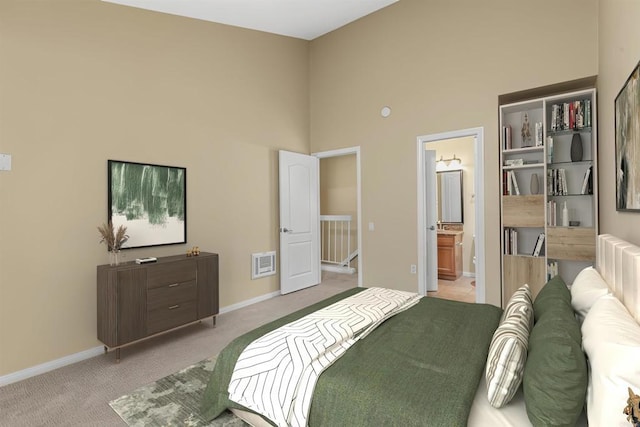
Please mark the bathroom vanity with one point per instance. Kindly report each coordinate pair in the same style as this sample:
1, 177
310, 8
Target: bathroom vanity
449, 254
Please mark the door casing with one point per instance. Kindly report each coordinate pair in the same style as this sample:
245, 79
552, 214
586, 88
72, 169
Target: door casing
478, 134
345, 152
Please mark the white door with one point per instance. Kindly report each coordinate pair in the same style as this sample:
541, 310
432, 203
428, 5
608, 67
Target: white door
431, 212
299, 188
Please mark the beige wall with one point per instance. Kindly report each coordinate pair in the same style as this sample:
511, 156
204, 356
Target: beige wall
619, 53
463, 148
338, 192
440, 65
82, 81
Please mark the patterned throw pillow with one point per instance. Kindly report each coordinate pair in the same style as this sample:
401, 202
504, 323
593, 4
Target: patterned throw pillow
508, 349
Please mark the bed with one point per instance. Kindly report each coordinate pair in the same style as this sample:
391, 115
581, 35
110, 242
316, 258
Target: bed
444, 362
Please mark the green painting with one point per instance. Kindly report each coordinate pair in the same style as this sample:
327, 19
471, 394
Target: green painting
150, 200
627, 132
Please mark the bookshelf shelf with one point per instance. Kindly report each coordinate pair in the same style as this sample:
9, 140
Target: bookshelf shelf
537, 134
580, 163
568, 131
527, 166
524, 150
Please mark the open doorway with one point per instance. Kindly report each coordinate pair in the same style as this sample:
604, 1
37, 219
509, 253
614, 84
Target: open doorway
463, 232
454, 200
340, 207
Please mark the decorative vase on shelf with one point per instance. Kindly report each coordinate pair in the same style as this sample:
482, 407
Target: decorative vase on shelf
576, 148
114, 257
534, 186
565, 215
114, 239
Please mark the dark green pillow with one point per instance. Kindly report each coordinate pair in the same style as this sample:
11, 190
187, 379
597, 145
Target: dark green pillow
554, 293
555, 375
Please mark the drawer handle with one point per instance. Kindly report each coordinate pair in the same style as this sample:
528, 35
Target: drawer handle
173, 307
174, 285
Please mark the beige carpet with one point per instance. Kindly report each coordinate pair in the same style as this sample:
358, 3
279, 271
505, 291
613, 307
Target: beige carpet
79, 394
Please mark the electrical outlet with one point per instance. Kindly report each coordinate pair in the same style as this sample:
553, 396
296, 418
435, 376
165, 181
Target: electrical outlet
413, 269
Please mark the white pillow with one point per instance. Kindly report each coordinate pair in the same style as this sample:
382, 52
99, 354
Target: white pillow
586, 289
508, 349
611, 340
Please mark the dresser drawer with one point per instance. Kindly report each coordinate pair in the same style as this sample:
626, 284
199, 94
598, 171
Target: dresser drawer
160, 275
170, 295
169, 317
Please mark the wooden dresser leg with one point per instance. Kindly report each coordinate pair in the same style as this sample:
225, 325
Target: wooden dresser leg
118, 355
213, 319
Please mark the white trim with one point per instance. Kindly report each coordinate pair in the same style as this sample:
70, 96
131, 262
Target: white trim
50, 366
478, 133
345, 152
248, 302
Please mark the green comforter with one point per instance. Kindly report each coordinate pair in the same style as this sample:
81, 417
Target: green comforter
420, 368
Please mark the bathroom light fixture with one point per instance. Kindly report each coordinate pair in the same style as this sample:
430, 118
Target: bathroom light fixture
452, 163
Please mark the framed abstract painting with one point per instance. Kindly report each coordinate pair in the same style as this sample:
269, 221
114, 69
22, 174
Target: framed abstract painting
627, 136
150, 200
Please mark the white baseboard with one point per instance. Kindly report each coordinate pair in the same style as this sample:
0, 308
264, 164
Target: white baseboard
248, 302
50, 366
92, 352
468, 274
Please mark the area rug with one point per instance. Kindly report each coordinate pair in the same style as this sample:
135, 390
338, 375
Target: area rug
172, 401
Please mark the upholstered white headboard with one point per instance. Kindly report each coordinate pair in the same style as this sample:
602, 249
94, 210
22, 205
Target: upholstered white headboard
618, 262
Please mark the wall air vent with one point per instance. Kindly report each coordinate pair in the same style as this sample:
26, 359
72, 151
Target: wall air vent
263, 264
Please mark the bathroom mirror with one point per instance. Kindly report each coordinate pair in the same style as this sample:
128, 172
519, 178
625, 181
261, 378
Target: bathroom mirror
450, 197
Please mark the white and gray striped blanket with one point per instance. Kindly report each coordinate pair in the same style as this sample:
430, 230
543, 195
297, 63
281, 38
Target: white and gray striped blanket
276, 374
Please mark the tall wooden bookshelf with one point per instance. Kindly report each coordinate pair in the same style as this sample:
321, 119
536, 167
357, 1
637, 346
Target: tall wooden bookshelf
539, 174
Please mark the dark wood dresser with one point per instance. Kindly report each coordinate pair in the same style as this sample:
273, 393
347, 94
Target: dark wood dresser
137, 301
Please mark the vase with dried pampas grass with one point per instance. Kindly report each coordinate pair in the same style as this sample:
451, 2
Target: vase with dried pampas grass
114, 239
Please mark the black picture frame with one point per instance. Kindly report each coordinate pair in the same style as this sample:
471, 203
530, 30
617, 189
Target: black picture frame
150, 200
627, 144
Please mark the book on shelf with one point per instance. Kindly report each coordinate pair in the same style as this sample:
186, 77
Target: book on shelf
551, 213
549, 149
505, 175
516, 190
571, 115
556, 182
579, 108
539, 243
506, 137
514, 162
587, 182
510, 241
587, 113
555, 111
538, 136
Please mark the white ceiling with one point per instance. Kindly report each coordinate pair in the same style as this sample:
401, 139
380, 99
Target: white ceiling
303, 19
